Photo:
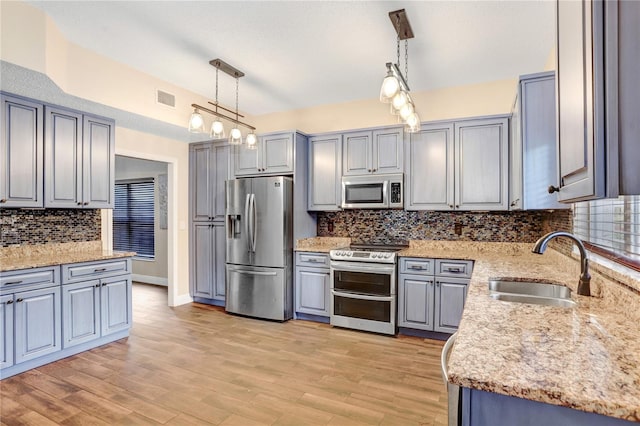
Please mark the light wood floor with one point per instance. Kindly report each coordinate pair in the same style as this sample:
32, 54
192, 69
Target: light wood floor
194, 364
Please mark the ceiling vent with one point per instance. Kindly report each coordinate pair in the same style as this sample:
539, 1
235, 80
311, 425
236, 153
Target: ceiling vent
165, 98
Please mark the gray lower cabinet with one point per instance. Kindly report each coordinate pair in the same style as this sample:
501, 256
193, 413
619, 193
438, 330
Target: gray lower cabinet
432, 293
21, 153
312, 284
79, 160
49, 313
325, 172
208, 264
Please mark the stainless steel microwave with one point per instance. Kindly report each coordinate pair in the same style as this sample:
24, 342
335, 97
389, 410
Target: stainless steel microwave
372, 192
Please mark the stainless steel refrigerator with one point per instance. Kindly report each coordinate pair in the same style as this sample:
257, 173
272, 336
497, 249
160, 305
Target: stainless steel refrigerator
259, 227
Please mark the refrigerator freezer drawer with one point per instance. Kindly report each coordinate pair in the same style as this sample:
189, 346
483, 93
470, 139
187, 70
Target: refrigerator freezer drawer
257, 292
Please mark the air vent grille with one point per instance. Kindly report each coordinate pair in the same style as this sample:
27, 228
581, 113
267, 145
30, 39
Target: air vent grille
165, 98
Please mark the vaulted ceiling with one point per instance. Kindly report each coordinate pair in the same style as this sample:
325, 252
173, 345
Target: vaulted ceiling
298, 54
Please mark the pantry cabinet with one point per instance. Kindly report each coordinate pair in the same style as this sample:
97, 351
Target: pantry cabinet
208, 172
79, 160
274, 155
208, 264
325, 173
21, 153
598, 98
380, 151
460, 165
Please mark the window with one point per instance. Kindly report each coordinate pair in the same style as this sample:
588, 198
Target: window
611, 227
133, 217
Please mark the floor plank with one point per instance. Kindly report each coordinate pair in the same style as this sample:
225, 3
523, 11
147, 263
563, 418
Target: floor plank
197, 365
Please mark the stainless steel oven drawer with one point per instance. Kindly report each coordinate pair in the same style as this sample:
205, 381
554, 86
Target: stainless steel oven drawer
454, 268
409, 265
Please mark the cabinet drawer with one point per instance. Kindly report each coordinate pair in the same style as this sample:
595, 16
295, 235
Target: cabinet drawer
316, 260
84, 271
454, 268
41, 276
410, 265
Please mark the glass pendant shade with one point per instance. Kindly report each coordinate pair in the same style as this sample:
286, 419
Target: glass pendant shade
412, 124
196, 122
390, 88
252, 141
217, 130
399, 100
406, 111
235, 136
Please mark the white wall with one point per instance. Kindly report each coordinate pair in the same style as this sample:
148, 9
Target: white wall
148, 271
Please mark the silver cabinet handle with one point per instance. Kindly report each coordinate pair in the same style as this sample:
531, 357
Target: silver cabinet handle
416, 267
454, 270
99, 269
14, 282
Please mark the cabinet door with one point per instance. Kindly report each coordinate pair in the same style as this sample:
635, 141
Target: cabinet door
430, 172
276, 154
115, 298
98, 163
312, 291
246, 160
415, 302
356, 153
6, 330
21, 153
450, 296
63, 156
221, 170
515, 157
388, 151
580, 100
201, 169
220, 249
81, 312
202, 260
482, 164
37, 323
325, 171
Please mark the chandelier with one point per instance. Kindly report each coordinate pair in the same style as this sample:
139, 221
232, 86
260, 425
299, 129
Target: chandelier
196, 121
395, 86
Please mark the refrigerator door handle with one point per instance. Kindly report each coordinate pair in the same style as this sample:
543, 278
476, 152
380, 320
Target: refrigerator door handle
247, 229
254, 223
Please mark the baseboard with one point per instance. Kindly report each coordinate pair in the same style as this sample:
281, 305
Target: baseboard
149, 279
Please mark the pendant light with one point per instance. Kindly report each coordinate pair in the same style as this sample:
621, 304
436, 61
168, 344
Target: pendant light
235, 135
196, 122
395, 87
217, 128
252, 141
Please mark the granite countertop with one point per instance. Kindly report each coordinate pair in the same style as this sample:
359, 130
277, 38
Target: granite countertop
586, 358
321, 244
36, 256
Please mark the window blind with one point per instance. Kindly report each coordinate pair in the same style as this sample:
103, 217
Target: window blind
133, 217
611, 224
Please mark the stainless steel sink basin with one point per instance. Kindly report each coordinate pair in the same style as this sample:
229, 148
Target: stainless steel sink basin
546, 301
537, 293
530, 288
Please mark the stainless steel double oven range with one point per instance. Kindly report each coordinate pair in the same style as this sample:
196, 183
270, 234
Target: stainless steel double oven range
364, 288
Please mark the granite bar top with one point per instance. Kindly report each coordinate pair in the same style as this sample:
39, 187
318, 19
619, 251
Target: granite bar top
586, 358
321, 244
36, 256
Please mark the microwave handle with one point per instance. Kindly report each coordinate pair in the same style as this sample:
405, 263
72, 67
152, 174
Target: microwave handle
385, 193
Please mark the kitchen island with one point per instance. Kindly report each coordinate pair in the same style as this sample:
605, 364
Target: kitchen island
58, 300
585, 358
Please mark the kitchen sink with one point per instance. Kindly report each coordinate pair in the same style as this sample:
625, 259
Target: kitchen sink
532, 292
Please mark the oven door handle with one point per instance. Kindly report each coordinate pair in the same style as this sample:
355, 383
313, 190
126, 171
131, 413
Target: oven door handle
362, 296
378, 268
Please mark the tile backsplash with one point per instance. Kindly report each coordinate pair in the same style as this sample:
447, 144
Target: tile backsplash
27, 227
385, 226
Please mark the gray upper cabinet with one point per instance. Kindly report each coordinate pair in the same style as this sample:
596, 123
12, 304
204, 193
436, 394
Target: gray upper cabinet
79, 160
598, 99
533, 144
481, 164
430, 173
325, 162
273, 156
458, 166
21, 153
373, 152
208, 172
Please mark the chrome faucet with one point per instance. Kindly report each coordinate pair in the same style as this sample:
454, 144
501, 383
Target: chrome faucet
584, 285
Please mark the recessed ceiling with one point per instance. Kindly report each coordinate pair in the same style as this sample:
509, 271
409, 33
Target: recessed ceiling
298, 54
